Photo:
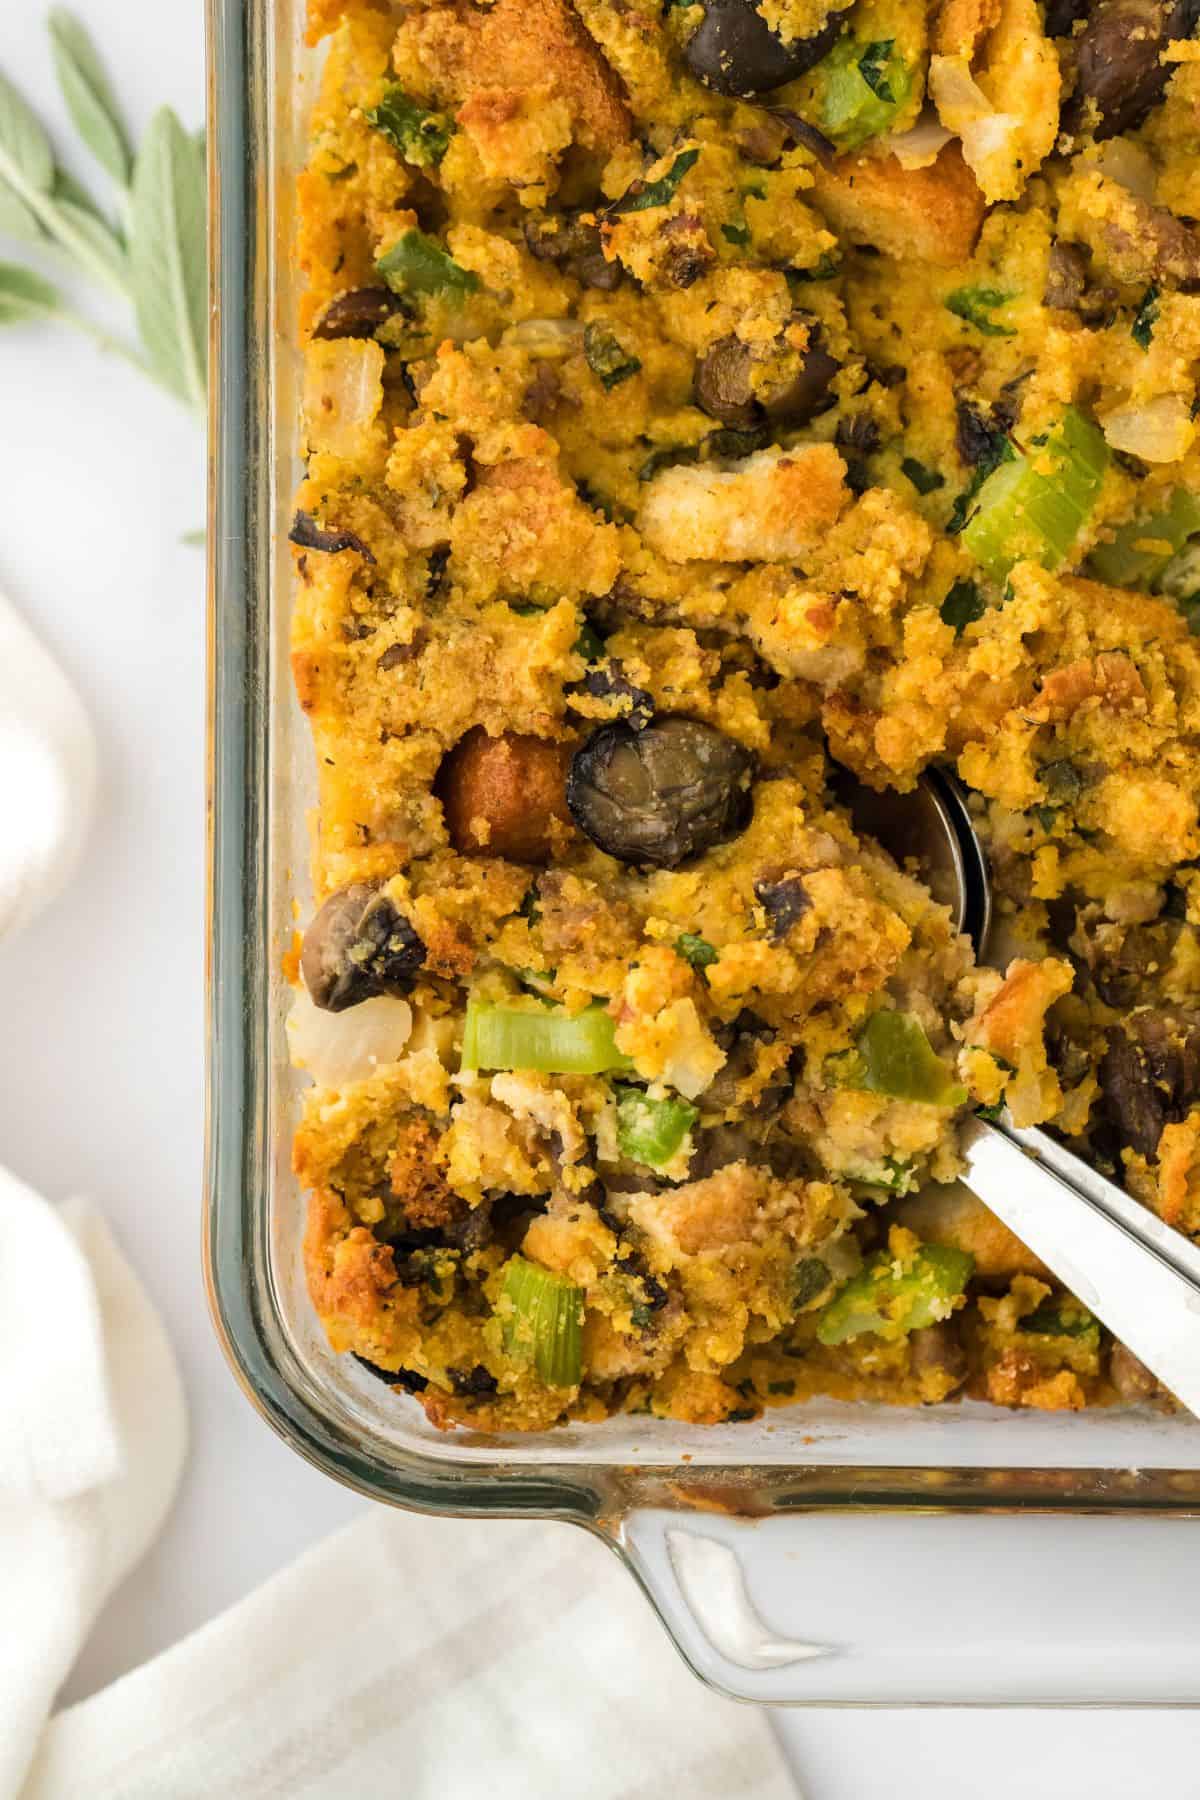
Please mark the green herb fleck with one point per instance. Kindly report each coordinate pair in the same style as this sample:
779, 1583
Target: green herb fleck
926, 481
781, 1387
736, 234
606, 359
976, 304
811, 1278
417, 264
872, 66
1146, 318
421, 137
645, 194
696, 950
962, 606
824, 270
589, 644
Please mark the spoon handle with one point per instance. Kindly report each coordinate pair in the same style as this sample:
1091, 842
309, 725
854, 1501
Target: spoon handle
1125, 1264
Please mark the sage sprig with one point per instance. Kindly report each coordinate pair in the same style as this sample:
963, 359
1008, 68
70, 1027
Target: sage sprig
153, 255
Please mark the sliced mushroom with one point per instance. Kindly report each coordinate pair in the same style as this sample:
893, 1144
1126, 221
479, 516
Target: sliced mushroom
575, 246
1150, 1073
937, 1350
502, 796
662, 795
359, 946
358, 314
735, 52
725, 388
1120, 73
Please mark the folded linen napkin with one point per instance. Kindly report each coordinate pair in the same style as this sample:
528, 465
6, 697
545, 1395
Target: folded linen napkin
47, 773
433, 1659
92, 1438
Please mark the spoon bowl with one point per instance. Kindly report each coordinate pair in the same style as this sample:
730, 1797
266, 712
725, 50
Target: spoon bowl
1124, 1263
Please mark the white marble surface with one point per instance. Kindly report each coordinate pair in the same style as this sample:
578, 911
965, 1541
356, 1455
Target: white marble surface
100, 1048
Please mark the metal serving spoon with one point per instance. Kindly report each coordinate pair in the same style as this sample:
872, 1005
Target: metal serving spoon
1125, 1263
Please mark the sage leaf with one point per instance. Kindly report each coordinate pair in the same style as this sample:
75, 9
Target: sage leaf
16, 220
95, 231
25, 296
167, 256
26, 158
90, 100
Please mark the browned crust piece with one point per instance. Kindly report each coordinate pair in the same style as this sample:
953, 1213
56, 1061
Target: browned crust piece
524, 46
933, 215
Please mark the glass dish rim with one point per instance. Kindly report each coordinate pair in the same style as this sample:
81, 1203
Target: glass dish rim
236, 1250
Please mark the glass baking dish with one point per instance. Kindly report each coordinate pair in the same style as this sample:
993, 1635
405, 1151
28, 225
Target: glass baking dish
799, 1559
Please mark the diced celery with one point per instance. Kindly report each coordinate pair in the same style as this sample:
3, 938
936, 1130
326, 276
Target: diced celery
1033, 507
865, 86
651, 1131
898, 1059
417, 264
553, 1040
1141, 550
543, 1322
893, 1302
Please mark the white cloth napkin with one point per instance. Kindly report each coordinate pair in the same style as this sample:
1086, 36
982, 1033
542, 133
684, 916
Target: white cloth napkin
47, 774
92, 1439
410, 1658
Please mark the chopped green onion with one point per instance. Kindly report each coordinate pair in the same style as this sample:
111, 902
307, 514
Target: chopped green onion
556, 1042
543, 1322
417, 264
926, 481
1035, 506
892, 1304
976, 305
643, 195
651, 1131
962, 606
1146, 318
696, 950
898, 1059
865, 85
1141, 550
606, 359
421, 137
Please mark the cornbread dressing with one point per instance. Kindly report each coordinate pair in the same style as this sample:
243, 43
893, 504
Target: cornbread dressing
697, 397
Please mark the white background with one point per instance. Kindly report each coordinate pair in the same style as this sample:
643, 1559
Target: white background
100, 1028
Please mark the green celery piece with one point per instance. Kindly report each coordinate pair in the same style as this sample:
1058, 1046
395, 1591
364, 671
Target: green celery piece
1027, 512
898, 1059
651, 1131
417, 264
421, 137
543, 1322
1122, 564
554, 1041
865, 86
890, 1304
656, 193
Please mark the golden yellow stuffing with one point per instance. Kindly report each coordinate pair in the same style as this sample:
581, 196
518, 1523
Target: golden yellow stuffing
695, 398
